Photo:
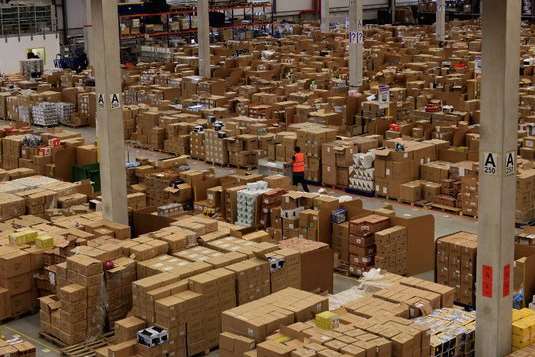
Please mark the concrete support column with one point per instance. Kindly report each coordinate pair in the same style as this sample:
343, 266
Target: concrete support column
88, 42
325, 15
498, 147
393, 11
203, 35
356, 44
440, 24
110, 131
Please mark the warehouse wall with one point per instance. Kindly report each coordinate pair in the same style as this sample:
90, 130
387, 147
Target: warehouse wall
18, 50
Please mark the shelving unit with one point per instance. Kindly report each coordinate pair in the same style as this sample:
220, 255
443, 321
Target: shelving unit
180, 22
26, 20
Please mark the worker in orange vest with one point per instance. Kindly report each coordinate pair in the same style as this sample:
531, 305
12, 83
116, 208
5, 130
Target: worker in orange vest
298, 169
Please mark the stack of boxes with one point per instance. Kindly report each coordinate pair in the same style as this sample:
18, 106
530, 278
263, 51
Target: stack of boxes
310, 139
362, 241
198, 150
45, 114
523, 328
452, 332
259, 319
340, 244
252, 280
525, 196
119, 288
249, 200
219, 294
17, 348
456, 265
470, 195
285, 269
308, 224
17, 287
82, 313
361, 173
216, 148
392, 247
178, 138
66, 113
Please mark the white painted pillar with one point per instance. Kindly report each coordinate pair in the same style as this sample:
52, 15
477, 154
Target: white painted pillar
356, 44
88, 42
393, 11
204, 38
110, 132
440, 24
498, 146
325, 15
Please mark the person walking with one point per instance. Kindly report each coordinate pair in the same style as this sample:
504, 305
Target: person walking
298, 169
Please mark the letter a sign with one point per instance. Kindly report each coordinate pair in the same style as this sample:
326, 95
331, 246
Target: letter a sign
510, 164
490, 161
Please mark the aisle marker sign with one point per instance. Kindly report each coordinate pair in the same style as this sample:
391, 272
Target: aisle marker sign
487, 281
510, 164
356, 37
100, 101
490, 162
506, 280
115, 102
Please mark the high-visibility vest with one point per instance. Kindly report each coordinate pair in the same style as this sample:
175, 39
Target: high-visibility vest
299, 162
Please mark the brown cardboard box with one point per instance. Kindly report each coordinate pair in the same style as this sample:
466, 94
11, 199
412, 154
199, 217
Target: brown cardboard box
86, 155
127, 328
316, 263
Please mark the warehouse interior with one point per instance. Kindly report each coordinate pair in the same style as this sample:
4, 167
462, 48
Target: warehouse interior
267, 178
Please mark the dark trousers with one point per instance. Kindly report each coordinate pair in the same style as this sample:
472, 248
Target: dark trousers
299, 178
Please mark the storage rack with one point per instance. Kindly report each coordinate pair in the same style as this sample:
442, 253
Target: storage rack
243, 15
27, 19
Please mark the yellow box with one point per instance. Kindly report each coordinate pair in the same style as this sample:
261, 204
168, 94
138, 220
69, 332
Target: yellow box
522, 313
520, 341
22, 237
44, 242
522, 329
327, 320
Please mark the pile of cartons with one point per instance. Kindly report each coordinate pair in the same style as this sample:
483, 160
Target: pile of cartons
362, 248
523, 324
310, 139
249, 200
79, 312
452, 331
17, 287
215, 148
525, 196
259, 319
361, 173
391, 249
17, 348
456, 265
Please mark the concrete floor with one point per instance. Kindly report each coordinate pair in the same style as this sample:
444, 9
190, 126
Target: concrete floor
28, 328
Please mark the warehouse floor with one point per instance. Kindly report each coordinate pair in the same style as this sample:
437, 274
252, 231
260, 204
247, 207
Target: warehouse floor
28, 328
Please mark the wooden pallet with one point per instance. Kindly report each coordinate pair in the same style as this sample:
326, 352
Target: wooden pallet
343, 269
443, 208
423, 204
74, 126
55, 341
87, 348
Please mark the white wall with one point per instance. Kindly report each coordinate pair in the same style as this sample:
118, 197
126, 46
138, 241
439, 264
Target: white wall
14, 50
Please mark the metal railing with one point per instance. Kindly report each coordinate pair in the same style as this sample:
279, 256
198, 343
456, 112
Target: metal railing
25, 19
